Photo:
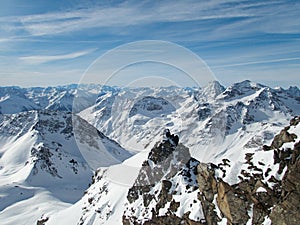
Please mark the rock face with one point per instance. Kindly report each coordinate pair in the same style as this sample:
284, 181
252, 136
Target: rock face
166, 176
287, 209
254, 198
208, 188
151, 106
264, 194
273, 199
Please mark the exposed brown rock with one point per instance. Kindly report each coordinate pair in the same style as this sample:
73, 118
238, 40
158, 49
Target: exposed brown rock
172, 219
277, 199
287, 210
295, 121
233, 207
283, 137
208, 188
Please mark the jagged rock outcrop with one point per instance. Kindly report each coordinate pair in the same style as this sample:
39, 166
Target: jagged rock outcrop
262, 195
168, 174
208, 189
286, 211
273, 199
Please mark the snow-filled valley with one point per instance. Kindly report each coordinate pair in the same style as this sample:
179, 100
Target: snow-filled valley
90, 154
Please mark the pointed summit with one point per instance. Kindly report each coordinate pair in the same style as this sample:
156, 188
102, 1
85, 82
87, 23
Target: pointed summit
211, 91
214, 87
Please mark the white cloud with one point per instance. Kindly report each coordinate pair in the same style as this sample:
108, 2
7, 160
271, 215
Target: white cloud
39, 59
124, 15
270, 16
257, 62
214, 27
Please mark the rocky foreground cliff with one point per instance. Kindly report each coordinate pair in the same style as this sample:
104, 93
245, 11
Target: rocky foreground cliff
173, 188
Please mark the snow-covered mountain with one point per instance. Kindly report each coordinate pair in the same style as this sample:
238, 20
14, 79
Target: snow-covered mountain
42, 160
48, 154
202, 118
15, 99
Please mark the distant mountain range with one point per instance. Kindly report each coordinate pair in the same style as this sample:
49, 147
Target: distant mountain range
90, 154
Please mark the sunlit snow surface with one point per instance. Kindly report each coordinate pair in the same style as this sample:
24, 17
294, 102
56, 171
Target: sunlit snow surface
215, 123
41, 167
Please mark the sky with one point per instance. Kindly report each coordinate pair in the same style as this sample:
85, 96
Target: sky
57, 42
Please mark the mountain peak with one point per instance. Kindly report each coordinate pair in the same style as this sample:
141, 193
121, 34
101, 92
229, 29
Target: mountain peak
169, 171
248, 84
211, 91
241, 89
216, 85
294, 91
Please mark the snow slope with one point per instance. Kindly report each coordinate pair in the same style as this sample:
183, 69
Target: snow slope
41, 165
47, 158
203, 118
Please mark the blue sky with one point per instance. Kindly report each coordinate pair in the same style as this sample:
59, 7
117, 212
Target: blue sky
53, 42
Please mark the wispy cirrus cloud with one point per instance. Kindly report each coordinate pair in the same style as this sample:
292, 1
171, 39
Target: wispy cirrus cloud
39, 59
218, 19
234, 18
231, 35
125, 14
257, 62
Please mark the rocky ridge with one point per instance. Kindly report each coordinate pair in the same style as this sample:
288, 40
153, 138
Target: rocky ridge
261, 196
